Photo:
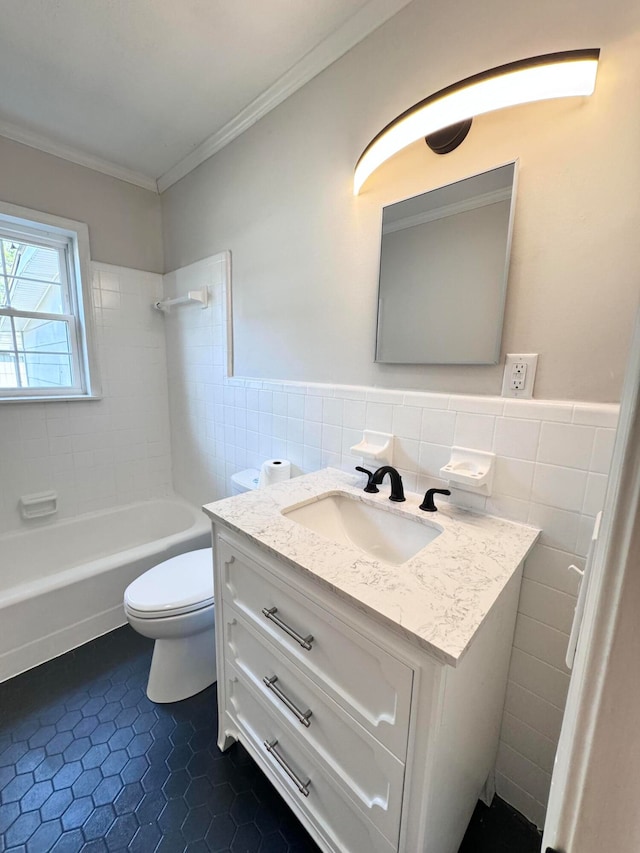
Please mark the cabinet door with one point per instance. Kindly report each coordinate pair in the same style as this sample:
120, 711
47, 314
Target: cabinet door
372, 685
317, 800
373, 775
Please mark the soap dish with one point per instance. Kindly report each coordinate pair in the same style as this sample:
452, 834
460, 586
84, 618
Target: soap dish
375, 447
38, 505
471, 470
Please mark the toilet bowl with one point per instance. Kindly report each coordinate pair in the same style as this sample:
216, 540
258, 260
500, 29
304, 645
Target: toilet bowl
172, 603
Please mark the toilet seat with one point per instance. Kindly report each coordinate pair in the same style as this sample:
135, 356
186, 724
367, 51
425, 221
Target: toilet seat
168, 612
183, 584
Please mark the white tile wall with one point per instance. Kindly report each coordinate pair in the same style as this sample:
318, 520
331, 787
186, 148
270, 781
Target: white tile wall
212, 423
97, 454
552, 461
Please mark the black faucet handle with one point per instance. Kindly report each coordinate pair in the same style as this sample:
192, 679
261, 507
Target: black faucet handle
428, 504
371, 486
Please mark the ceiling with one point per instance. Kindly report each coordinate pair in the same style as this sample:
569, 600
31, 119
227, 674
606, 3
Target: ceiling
147, 89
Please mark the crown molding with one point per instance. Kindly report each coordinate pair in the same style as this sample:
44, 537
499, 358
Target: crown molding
73, 155
354, 30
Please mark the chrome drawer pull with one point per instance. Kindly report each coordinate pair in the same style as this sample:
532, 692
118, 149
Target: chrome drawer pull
303, 787
301, 716
305, 642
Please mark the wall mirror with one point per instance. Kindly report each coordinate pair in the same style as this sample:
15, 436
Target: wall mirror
444, 263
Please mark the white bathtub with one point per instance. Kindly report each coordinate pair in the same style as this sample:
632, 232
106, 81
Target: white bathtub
62, 584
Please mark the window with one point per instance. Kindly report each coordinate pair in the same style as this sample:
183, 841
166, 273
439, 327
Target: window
44, 333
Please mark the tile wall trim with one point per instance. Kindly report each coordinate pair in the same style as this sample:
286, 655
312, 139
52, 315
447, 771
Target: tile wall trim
562, 411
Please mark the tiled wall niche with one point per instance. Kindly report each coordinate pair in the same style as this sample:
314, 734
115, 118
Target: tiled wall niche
552, 464
102, 453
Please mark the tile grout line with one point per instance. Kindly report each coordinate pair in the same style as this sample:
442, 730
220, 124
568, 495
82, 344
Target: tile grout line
541, 698
545, 662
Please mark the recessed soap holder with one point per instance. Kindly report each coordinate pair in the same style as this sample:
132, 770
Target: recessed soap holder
471, 470
375, 447
38, 505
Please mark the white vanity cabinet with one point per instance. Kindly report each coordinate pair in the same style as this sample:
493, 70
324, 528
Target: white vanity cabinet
375, 743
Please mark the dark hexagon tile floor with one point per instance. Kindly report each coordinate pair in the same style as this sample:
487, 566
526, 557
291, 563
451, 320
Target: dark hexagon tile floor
88, 763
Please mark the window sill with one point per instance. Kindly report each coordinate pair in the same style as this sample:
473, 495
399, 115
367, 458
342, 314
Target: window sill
62, 398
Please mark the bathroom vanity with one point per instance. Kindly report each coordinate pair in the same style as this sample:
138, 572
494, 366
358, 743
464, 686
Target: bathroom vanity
369, 690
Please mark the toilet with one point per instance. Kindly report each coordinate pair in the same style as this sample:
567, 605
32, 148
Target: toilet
172, 603
245, 481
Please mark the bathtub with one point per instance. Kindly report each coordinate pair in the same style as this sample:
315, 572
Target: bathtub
62, 584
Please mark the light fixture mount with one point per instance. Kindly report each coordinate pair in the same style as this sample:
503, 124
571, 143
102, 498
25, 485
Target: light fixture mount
446, 140
444, 118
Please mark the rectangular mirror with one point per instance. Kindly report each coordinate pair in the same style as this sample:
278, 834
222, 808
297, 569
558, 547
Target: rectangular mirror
444, 263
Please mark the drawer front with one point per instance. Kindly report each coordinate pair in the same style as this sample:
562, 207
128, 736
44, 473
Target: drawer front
373, 775
294, 772
372, 685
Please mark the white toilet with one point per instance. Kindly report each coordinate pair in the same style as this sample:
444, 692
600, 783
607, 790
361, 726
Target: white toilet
172, 603
245, 481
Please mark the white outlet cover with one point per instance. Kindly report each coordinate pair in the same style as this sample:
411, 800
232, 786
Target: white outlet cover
531, 361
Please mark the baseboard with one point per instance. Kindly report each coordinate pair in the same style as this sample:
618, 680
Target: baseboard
53, 645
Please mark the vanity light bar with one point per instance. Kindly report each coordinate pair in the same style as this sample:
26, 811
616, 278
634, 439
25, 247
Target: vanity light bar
555, 75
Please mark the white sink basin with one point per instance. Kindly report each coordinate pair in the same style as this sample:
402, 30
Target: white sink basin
381, 534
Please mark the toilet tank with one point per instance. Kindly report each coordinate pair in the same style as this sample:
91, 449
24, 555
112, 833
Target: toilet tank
244, 481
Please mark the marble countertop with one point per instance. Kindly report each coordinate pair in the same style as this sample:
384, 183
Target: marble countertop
437, 599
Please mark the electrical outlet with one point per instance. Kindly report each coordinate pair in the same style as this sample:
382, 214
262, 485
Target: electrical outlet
519, 375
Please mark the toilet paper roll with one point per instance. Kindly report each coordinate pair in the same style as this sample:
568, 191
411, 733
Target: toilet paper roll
274, 471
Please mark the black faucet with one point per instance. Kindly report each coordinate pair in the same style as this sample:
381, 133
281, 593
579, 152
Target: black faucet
397, 491
428, 504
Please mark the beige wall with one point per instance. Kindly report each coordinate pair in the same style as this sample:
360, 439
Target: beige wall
305, 252
124, 220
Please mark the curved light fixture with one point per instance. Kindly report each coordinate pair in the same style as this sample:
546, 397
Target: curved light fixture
444, 118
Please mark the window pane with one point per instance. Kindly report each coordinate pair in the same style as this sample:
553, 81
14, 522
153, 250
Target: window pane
31, 277
6, 335
6, 255
43, 359
51, 336
28, 260
7, 258
45, 370
27, 295
8, 378
8, 358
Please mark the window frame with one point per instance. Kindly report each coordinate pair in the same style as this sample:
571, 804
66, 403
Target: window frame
72, 238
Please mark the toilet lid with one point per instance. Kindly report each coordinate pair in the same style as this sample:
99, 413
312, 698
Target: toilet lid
179, 585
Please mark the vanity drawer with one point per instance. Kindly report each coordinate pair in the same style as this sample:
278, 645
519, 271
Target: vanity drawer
372, 685
299, 777
373, 775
